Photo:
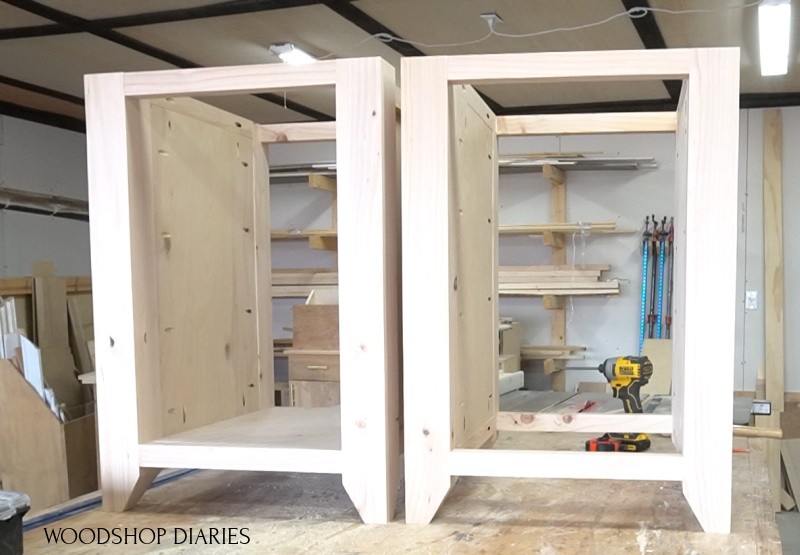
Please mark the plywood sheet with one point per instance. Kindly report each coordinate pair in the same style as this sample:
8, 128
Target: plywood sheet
659, 351
203, 190
473, 221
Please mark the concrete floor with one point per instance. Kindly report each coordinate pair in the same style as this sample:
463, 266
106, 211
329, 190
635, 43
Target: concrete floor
311, 513
789, 527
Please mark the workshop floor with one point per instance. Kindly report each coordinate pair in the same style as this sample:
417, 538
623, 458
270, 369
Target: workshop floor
789, 527
310, 513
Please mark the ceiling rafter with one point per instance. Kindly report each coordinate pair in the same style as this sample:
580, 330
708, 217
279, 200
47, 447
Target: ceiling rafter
42, 116
41, 90
370, 25
82, 25
652, 38
230, 7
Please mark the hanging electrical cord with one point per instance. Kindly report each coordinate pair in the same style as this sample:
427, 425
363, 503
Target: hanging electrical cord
634, 13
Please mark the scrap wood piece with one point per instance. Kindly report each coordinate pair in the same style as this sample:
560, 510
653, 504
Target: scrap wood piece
322, 182
50, 309
80, 331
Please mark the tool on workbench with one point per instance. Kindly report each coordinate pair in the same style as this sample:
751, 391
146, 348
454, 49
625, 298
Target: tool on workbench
626, 375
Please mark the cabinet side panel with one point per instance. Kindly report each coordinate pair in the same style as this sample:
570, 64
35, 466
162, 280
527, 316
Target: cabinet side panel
205, 243
473, 231
710, 244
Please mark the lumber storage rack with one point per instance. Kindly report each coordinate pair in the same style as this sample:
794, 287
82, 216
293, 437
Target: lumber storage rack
180, 242
450, 277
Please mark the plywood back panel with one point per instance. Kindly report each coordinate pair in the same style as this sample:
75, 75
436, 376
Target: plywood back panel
473, 266
143, 255
202, 179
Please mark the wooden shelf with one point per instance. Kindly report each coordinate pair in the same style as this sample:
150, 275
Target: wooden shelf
559, 289
599, 228
273, 439
555, 352
321, 239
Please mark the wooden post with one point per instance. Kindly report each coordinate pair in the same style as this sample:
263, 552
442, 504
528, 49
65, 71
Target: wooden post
705, 282
368, 285
773, 291
558, 257
114, 284
426, 321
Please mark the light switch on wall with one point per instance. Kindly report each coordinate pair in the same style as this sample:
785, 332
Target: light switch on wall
751, 300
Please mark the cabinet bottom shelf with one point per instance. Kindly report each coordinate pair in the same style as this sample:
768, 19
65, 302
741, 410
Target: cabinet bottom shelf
278, 439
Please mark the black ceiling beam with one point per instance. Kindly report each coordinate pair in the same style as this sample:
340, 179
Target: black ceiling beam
231, 7
370, 25
768, 100
41, 116
41, 90
43, 212
746, 101
651, 37
80, 25
655, 105
86, 26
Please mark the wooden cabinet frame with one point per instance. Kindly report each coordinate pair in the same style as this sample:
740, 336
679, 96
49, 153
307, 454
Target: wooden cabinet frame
450, 270
160, 403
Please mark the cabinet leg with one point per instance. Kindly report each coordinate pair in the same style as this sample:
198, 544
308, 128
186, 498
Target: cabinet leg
122, 488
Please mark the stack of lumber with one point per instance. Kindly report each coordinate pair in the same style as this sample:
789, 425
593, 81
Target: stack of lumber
561, 227
46, 334
299, 282
513, 281
555, 280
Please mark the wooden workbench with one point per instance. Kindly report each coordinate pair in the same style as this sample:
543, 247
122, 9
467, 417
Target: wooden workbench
292, 513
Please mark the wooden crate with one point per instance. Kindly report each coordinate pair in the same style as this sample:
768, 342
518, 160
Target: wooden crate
450, 272
50, 460
180, 243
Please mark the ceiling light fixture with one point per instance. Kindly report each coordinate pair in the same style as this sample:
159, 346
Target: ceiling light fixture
290, 54
774, 25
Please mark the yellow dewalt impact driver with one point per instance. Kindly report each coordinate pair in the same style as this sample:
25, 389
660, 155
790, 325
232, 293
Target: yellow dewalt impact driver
626, 375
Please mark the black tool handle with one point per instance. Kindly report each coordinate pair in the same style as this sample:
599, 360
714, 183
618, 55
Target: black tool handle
630, 398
